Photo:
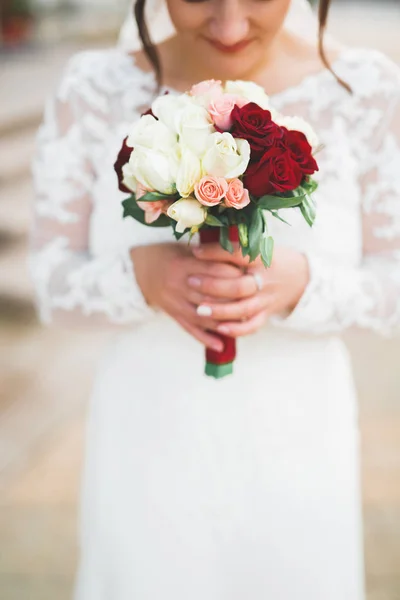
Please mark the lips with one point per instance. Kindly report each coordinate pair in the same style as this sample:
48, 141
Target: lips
233, 49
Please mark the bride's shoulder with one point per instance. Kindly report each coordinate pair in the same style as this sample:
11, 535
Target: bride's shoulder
369, 72
108, 71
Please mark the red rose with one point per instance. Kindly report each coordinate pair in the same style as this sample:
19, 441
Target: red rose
301, 151
275, 172
255, 125
122, 159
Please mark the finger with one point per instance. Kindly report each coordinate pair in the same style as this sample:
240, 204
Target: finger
231, 289
209, 340
234, 311
196, 298
189, 312
215, 252
239, 329
219, 269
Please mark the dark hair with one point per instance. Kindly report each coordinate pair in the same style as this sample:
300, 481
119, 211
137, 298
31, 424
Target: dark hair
152, 54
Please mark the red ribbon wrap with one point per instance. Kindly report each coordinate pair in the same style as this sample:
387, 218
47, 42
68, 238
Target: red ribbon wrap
228, 354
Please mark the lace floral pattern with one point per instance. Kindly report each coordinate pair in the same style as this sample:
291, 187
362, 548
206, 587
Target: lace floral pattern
80, 244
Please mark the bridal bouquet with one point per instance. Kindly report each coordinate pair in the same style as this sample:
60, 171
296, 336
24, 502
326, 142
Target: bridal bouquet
218, 160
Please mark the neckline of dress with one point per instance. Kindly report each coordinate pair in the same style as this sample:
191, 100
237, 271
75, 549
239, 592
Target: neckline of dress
307, 79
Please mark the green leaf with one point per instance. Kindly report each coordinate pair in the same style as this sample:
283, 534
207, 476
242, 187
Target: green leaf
277, 202
243, 235
310, 185
267, 250
177, 234
277, 216
156, 196
255, 233
308, 210
213, 221
245, 250
131, 209
224, 239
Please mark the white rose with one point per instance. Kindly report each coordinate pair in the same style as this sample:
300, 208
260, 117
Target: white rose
188, 213
299, 124
129, 179
226, 156
147, 132
195, 128
168, 109
189, 172
154, 170
249, 90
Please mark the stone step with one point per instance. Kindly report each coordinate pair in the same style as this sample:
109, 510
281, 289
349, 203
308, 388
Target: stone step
16, 289
15, 209
16, 152
26, 81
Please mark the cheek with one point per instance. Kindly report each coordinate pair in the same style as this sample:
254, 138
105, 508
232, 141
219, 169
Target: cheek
271, 14
187, 16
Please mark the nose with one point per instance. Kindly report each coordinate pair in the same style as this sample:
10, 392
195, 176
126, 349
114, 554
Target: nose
229, 23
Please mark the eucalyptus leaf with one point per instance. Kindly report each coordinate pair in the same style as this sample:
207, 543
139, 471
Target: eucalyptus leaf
277, 202
224, 239
131, 209
255, 233
267, 250
213, 221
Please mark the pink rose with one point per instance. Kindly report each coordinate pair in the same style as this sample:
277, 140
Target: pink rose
210, 89
221, 109
152, 210
236, 196
210, 190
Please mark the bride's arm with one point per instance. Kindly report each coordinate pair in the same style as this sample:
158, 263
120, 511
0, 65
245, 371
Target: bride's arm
71, 284
337, 297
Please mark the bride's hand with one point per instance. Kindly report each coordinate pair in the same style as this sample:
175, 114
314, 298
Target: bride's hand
164, 273
282, 286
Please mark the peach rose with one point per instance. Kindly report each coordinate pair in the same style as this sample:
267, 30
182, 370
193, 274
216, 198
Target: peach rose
152, 210
210, 89
236, 196
210, 190
221, 108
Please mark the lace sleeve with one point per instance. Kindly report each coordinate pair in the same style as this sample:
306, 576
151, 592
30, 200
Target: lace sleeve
337, 297
71, 283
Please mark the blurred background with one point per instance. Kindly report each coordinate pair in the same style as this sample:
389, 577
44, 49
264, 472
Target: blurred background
45, 374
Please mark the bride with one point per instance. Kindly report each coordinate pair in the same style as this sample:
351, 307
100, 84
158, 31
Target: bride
247, 487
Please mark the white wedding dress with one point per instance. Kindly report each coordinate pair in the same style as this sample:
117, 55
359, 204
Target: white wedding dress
248, 487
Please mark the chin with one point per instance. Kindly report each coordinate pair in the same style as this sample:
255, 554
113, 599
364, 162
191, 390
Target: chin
230, 67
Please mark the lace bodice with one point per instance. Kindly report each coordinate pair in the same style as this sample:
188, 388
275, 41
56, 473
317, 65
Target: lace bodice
80, 244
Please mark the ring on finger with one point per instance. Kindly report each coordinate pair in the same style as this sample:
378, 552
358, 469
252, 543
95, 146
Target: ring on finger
258, 280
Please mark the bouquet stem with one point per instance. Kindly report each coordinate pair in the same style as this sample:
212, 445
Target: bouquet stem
220, 364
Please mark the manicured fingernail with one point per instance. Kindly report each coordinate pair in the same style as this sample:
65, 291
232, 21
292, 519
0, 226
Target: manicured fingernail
223, 329
197, 250
194, 282
204, 311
